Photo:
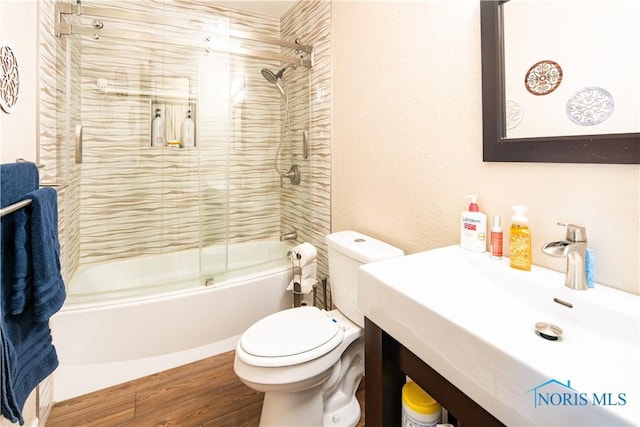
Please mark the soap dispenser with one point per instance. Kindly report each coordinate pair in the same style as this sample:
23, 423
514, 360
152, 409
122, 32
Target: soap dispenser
157, 130
473, 227
188, 131
520, 240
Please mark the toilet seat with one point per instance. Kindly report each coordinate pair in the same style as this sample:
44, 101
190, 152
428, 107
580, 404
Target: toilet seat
289, 337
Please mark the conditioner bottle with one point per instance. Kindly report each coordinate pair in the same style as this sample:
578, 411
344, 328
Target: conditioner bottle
157, 130
520, 240
188, 131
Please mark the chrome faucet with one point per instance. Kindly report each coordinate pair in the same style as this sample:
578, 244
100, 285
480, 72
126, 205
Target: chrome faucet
574, 248
291, 235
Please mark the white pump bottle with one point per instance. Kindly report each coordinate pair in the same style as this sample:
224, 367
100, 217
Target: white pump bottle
473, 227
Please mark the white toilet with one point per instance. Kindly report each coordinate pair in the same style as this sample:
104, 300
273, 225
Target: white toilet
307, 361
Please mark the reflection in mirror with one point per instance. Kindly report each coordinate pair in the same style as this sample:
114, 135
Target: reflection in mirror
588, 84
548, 75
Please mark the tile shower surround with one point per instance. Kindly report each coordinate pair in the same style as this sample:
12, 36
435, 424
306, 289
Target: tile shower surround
137, 200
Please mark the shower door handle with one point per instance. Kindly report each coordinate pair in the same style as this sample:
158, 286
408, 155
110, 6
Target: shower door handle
78, 144
305, 145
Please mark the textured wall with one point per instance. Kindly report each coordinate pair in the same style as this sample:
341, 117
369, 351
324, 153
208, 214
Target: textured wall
139, 200
308, 207
129, 199
407, 122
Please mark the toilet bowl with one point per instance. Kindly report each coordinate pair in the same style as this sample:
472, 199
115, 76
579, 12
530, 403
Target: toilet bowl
304, 366
307, 361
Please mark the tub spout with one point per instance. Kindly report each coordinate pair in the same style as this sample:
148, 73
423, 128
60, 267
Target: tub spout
292, 235
574, 248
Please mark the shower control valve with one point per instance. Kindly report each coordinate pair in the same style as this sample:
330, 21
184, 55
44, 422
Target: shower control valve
293, 174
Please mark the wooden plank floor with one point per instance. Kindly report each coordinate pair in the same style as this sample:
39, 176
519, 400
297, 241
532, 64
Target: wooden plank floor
206, 393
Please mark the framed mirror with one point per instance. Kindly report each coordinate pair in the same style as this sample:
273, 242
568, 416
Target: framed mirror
611, 148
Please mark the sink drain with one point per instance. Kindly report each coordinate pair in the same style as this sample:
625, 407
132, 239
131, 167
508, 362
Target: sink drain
548, 331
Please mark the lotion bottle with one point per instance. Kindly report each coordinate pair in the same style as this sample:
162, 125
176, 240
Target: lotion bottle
473, 227
496, 238
188, 131
157, 130
520, 240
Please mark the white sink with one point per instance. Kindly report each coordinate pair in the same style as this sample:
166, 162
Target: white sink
473, 320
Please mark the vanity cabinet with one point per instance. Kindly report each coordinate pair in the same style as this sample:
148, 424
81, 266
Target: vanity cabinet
387, 362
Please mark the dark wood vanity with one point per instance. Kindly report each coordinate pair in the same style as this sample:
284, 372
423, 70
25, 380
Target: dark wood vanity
387, 362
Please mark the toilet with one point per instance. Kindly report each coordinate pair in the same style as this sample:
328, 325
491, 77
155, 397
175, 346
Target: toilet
308, 361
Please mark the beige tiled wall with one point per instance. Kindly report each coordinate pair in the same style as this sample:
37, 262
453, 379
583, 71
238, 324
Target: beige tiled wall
129, 199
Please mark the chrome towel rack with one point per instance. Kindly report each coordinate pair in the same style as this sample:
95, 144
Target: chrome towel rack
14, 207
26, 202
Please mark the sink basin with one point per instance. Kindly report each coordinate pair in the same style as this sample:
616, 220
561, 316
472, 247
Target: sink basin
473, 319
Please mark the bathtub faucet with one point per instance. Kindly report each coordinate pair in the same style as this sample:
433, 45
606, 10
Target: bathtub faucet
292, 235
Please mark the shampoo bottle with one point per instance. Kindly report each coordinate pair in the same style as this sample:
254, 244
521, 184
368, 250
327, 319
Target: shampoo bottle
157, 130
520, 240
188, 131
473, 228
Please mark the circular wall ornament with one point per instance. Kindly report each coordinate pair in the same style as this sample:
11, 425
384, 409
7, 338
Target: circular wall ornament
513, 113
9, 78
543, 77
590, 106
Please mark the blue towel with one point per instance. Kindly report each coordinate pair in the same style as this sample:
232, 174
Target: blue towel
16, 180
22, 263
27, 354
45, 287
28, 358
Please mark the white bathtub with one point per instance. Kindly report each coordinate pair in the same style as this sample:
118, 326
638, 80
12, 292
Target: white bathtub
104, 343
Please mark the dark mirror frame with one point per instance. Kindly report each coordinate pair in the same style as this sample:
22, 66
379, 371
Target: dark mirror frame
622, 148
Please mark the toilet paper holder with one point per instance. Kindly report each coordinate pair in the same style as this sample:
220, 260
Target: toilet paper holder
300, 285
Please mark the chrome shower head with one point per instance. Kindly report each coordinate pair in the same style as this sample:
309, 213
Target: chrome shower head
274, 78
268, 74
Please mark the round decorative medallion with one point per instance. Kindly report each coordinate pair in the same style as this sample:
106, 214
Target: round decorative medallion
543, 77
513, 113
590, 106
9, 78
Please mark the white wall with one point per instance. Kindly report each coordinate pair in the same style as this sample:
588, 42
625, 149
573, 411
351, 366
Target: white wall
18, 28
407, 143
18, 130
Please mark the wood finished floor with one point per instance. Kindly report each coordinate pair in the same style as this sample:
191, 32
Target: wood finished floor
206, 393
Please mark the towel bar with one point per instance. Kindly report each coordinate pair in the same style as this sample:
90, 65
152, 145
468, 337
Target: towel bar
57, 186
14, 207
21, 160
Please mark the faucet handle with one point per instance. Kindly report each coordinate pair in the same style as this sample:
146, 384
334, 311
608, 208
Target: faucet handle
575, 233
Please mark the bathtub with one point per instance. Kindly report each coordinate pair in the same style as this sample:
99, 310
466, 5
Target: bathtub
114, 340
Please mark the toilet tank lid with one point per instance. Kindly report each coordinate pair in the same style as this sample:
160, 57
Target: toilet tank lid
362, 248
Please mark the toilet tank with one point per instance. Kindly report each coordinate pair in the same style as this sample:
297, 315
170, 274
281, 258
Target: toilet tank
347, 250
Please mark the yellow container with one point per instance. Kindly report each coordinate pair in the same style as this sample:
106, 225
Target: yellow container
520, 240
418, 408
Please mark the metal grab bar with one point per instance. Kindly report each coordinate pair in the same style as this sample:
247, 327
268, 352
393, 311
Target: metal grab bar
14, 207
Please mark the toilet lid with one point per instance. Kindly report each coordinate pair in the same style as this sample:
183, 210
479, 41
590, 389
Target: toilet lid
292, 332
